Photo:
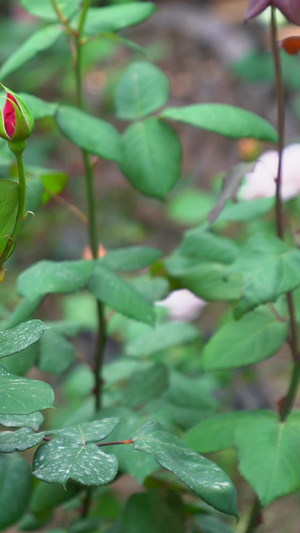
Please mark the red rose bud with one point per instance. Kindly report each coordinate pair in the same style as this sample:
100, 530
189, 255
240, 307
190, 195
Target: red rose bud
289, 8
291, 45
16, 122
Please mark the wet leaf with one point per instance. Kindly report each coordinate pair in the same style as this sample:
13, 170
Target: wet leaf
17, 339
202, 476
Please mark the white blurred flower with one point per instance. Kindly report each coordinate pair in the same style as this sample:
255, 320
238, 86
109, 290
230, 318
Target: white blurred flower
183, 305
261, 183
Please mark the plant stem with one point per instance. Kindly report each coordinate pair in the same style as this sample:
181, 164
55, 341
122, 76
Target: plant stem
72, 208
21, 208
281, 122
288, 401
254, 520
115, 443
92, 208
61, 17
293, 387
86, 504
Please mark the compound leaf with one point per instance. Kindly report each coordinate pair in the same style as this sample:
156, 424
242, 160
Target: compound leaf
269, 268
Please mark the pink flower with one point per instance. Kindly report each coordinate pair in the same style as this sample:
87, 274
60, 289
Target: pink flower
16, 121
183, 305
261, 183
289, 8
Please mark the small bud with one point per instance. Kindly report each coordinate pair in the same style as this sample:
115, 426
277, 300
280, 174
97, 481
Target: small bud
16, 122
289, 8
291, 45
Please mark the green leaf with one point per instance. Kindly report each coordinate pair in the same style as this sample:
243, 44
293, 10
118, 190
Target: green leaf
23, 311
89, 133
190, 206
159, 511
153, 289
118, 370
152, 156
256, 337
44, 9
32, 522
17, 339
269, 268
79, 458
38, 107
20, 440
122, 41
244, 211
192, 392
21, 396
112, 290
34, 195
202, 476
258, 67
211, 524
131, 258
9, 199
33, 421
143, 88
15, 489
47, 496
116, 527
20, 363
88, 432
147, 383
206, 246
265, 441
223, 119
138, 465
54, 182
41, 40
56, 353
116, 18
47, 277
215, 433
205, 279
199, 265
163, 336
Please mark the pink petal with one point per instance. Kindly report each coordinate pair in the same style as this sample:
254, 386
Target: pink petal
9, 115
255, 7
